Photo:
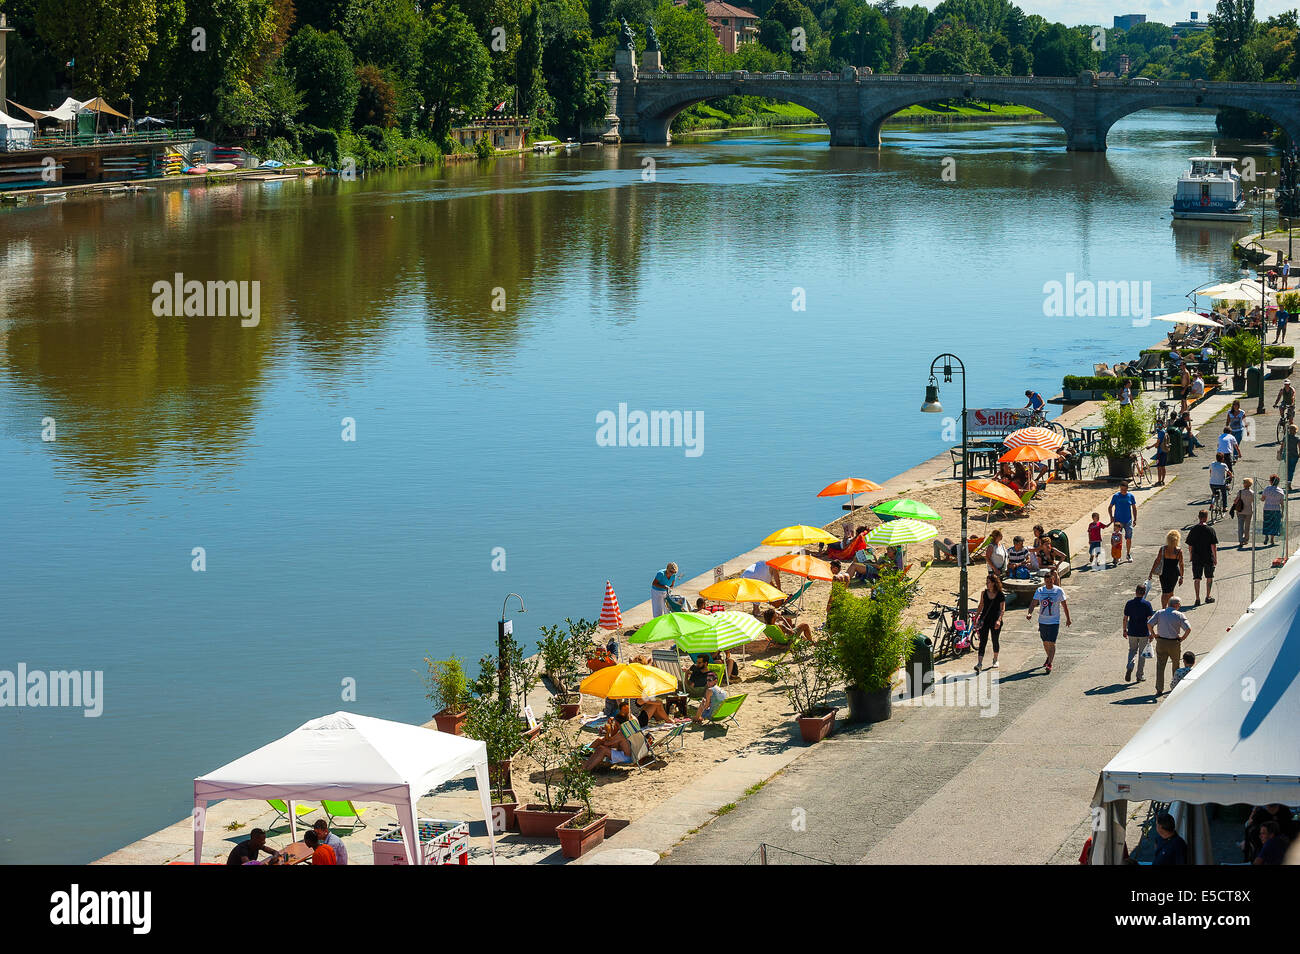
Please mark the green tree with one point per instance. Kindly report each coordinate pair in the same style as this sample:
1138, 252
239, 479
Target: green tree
685, 39
271, 104
528, 63
568, 62
456, 71
108, 41
219, 44
324, 70
386, 33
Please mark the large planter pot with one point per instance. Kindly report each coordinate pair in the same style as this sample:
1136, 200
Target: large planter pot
536, 822
815, 726
873, 706
1076, 395
503, 813
1120, 468
1238, 382
450, 722
574, 841
570, 705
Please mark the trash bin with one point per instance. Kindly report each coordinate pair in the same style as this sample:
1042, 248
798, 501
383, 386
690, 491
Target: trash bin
1060, 541
1174, 442
1252, 382
920, 669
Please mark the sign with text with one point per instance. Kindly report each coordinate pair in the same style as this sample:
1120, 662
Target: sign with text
995, 420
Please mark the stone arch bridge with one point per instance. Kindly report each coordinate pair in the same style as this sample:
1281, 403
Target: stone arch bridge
643, 103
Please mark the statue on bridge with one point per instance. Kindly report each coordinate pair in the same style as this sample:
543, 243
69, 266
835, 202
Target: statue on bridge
651, 38
629, 38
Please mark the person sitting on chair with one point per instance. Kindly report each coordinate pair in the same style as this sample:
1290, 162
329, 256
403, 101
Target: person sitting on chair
1018, 560
782, 631
714, 696
946, 552
611, 740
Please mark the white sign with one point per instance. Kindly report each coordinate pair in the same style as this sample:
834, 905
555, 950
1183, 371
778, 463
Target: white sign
507, 627
996, 419
717, 574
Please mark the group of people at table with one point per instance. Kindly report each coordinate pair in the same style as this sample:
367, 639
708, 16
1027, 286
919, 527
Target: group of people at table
322, 847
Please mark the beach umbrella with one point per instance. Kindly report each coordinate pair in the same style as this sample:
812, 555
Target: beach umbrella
671, 626
610, 617
994, 490
730, 629
1237, 291
741, 590
901, 532
801, 564
799, 536
1027, 452
1036, 437
1188, 318
849, 487
905, 509
628, 681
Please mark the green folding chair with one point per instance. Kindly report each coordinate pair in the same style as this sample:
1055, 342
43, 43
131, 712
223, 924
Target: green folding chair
334, 810
282, 811
727, 711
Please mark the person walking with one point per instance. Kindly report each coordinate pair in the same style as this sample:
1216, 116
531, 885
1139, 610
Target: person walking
1123, 510
988, 615
1244, 507
1271, 498
1203, 545
1169, 627
1137, 613
660, 587
1051, 603
1169, 565
1292, 448
1094, 541
1282, 318
1237, 423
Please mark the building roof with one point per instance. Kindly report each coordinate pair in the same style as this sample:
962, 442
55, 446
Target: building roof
715, 9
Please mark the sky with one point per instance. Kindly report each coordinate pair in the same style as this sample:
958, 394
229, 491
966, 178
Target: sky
1073, 12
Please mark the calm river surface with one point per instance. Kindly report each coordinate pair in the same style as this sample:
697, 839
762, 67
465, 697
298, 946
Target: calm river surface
475, 428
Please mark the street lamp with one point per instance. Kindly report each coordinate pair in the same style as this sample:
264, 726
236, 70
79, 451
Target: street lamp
1263, 332
505, 630
931, 405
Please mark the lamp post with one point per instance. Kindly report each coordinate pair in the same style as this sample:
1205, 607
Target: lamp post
931, 405
505, 630
1263, 332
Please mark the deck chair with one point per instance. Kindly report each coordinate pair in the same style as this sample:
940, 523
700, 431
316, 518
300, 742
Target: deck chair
768, 666
727, 711
670, 662
719, 670
282, 811
846, 554
786, 606
335, 810
664, 743
775, 637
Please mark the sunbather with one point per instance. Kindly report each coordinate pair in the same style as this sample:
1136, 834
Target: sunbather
697, 676
784, 631
714, 696
611, 739
654, 709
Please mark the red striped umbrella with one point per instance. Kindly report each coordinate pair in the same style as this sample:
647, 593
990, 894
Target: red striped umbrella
1034, 437
610, 617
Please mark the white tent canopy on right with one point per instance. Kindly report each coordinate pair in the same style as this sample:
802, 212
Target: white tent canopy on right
1227, 734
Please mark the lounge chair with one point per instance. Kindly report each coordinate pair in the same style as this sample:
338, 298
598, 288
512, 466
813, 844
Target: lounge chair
786, 607
727, 711
846, 554
670, 662
719, 670
776, 637
767, 666
282, 811
663, 743
335, 810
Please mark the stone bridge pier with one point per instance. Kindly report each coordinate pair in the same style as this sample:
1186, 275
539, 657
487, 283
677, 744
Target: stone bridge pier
644, 100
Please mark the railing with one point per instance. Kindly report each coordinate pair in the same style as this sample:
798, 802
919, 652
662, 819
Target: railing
1115, 82
79, 140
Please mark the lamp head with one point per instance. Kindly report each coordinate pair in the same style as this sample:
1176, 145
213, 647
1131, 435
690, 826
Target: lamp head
931, 404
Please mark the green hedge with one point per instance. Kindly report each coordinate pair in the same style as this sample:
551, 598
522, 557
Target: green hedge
1077, 382
1278, 351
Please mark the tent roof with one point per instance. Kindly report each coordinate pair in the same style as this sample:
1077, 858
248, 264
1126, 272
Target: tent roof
11, 123
98, 105
1227, 733
346, 756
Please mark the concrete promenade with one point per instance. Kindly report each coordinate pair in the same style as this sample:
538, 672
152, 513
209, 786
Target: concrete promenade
949, 784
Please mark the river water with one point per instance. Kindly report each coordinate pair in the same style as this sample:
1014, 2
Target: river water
664, 285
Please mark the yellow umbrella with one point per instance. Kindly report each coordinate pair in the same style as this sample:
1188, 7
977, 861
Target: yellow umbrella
742, 590
799, 536
628, 681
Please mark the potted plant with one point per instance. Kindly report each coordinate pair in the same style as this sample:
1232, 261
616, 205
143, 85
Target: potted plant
1241, 351
496, 725
551, 749
1125, 430
586, 829
808, 681
562, 653
448, 691
868, 643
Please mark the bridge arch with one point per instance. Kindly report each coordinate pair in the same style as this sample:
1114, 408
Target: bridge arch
1287, 119
656, 113
876, 109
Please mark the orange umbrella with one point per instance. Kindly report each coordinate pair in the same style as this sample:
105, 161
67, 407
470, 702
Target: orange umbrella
994, 490
803, 565
850, 487
1027, 452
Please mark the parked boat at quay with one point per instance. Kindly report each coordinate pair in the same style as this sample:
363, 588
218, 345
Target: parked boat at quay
1211, 189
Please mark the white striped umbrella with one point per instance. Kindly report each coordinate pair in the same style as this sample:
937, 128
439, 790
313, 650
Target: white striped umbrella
730, 629
1034, 437
899, 532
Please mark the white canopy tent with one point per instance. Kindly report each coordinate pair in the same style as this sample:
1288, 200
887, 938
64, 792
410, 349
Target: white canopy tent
15, 131
1225, 736
350, 757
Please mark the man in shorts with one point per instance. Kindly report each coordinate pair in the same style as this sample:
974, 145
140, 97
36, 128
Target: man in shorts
1123, 510
1203, 545
1050, 600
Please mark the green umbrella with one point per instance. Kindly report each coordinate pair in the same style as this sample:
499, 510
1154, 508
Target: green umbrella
672, 626
905, 509
899, 532
729, 630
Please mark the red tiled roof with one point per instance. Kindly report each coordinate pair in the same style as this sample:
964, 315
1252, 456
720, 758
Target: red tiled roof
715, 9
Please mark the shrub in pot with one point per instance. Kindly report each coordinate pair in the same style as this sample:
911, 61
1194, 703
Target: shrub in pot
586, 829
868, 643
807, 681
1241, 351
551, 750
496, 725
448, 690
1125, 431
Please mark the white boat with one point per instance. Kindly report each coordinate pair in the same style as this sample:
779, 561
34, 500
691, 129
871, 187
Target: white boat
546, 145
1211, 189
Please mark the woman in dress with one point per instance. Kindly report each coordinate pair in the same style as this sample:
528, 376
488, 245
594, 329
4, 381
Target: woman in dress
1169, 565
1245, 505
1271, 498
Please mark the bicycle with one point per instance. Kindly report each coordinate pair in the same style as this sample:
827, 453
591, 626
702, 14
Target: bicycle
1218, 505
945, 631
1164, 416
1286, 417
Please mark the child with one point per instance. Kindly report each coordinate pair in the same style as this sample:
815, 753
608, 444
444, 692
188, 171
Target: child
1189, 660
1116, 545
1094, 540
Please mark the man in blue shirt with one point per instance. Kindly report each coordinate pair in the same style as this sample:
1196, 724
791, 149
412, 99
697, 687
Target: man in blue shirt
1036, 402
1123, 510
1170, 847
1136, 613
660, 586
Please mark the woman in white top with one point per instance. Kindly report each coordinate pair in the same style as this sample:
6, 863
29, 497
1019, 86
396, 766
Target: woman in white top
995, 555
1245, 506
1271, 498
